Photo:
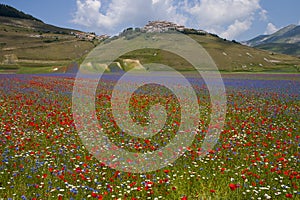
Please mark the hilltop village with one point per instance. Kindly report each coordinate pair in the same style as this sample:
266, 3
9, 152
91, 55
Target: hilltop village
164, 26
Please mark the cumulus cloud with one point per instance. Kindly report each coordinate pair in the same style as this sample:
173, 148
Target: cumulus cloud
263, 15
228, 18
271, 28
117, 13
236, 28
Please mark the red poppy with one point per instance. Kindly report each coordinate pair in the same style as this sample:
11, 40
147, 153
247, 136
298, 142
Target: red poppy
94, 194
232, 186
184, 198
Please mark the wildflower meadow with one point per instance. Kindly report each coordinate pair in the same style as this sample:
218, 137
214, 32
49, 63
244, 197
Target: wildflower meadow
256, 156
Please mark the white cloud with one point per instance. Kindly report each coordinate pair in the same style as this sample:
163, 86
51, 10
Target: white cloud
236, 28
123, 13
117, 13
228, 18
271, 28
263, 15
218, 12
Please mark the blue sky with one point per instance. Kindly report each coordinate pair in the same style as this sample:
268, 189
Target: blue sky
231, 19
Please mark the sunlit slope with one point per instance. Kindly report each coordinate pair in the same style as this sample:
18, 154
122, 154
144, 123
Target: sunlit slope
28, 43
228, 56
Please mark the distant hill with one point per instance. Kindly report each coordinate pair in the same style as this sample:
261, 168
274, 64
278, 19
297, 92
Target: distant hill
28, 45
229, 56
286, 41
8, 11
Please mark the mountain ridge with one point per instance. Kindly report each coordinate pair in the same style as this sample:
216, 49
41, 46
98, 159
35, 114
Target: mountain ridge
285, 40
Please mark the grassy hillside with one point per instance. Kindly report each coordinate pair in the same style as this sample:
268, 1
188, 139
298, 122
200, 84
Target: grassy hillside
229, 56
286, 48
29, 43
31, 46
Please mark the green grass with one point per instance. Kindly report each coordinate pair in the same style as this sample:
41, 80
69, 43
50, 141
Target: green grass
35, 70
285, 48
